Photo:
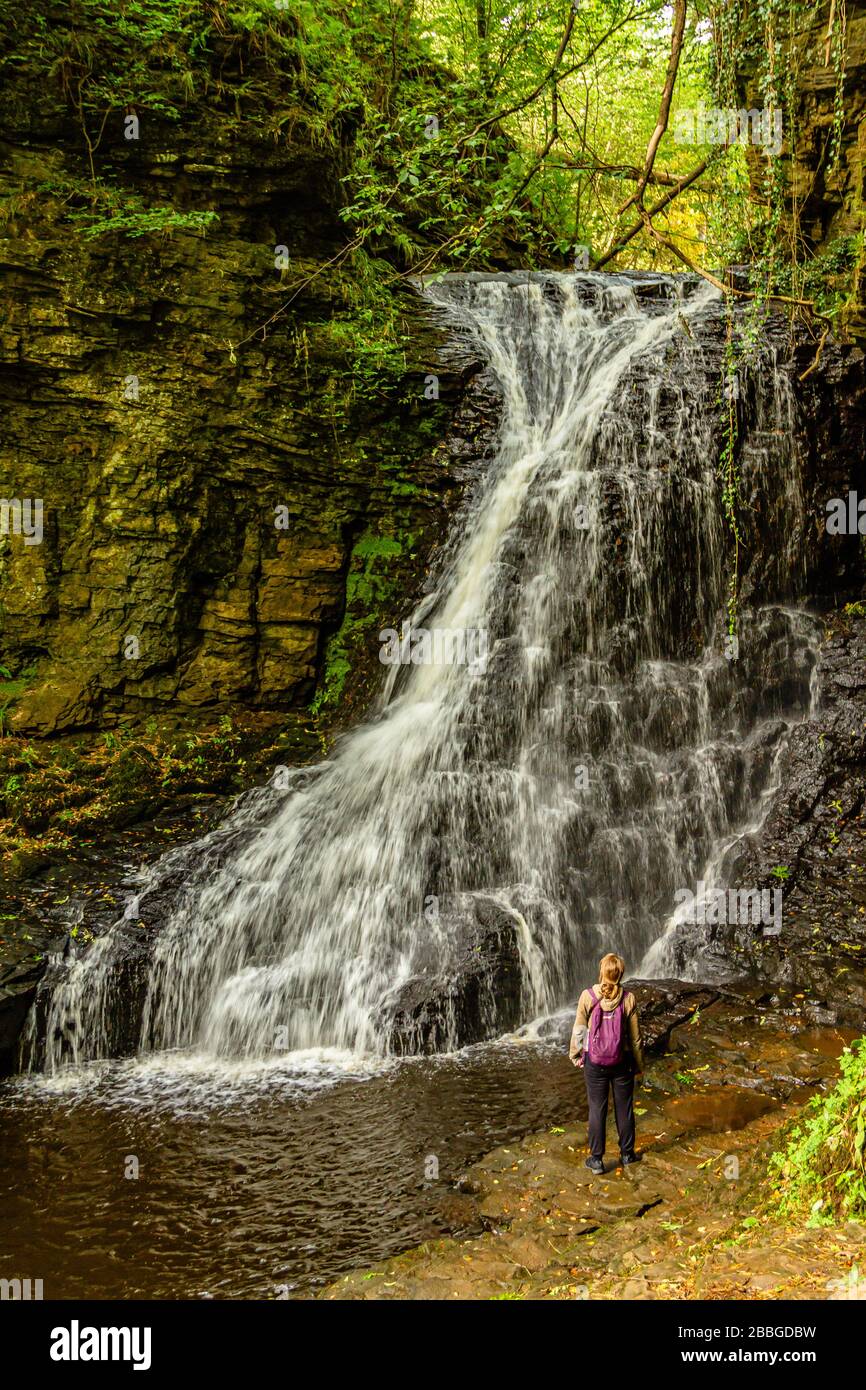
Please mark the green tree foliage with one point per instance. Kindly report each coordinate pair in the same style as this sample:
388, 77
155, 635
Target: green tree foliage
471, 132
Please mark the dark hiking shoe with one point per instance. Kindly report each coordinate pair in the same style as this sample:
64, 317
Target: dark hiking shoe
595, 1165
630, 1158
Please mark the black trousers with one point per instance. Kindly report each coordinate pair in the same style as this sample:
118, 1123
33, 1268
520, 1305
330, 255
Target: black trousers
599, 1081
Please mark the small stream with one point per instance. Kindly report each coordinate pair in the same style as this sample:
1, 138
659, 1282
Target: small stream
257, 1181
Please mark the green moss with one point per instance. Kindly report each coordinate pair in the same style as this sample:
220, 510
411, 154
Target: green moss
368, 582
374, 586
60, 795
11, 690
338, 668
12, 687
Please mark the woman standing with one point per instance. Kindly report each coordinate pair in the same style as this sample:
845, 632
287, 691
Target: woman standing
606, 1041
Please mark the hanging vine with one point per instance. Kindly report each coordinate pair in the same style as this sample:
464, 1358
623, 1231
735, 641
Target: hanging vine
763, 38
836, 50
728, 466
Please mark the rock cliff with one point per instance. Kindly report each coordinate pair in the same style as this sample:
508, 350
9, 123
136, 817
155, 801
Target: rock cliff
229, 475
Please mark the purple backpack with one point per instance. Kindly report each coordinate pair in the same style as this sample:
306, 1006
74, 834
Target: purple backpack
606, 1044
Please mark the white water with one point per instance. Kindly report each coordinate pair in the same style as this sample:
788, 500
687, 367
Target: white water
298, 927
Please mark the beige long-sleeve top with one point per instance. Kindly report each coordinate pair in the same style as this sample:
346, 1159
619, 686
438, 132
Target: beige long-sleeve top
581, 1024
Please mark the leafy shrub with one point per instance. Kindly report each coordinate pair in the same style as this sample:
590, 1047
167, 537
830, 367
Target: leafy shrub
823, 1168
161, 220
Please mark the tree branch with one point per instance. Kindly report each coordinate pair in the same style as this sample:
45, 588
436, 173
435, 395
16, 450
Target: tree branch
510, 110
719, 284
664, 106
621, 171
553, 70
680, 187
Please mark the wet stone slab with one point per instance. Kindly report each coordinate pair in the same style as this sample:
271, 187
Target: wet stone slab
706, 1124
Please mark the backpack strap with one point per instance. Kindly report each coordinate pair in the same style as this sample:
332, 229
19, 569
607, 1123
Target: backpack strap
594, 997
620, 1004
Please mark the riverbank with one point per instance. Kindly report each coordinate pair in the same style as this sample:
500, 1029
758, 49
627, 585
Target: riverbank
694, 1219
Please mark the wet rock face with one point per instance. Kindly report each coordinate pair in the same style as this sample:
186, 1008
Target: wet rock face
161, 520
15, 1001
473, 994
812, 847
792, 552
817, 832
664, 1005
214, 479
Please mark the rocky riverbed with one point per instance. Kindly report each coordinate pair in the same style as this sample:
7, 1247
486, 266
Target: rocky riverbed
694, 1218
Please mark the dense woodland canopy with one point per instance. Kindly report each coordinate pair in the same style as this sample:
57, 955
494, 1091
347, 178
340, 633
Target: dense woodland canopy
482, 131
568, 130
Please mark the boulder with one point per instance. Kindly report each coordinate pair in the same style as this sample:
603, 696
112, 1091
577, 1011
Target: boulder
473, 993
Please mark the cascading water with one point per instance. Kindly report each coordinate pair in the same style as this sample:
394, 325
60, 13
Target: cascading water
571, 780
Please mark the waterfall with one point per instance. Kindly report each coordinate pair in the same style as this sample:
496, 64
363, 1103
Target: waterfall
581, 755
